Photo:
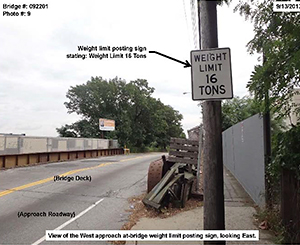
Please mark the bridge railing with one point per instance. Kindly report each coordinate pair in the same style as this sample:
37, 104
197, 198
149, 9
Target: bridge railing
27, 150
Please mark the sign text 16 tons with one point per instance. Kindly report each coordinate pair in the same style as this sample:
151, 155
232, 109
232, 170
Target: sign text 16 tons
211, 74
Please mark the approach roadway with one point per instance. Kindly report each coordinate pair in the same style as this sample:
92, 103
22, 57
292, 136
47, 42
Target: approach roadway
31, 202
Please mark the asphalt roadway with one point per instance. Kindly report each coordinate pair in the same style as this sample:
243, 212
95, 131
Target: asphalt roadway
28, 195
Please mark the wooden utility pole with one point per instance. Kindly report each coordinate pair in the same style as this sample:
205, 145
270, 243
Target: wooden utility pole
213, 155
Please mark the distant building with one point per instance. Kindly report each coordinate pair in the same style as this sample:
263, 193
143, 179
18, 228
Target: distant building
193, 133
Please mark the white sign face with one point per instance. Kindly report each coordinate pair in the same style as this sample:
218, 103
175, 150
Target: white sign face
286, 6
106, 124
211, 74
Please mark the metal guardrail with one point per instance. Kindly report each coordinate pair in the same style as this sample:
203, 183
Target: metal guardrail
28, 159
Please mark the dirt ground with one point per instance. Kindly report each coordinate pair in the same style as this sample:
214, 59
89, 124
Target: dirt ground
139, 210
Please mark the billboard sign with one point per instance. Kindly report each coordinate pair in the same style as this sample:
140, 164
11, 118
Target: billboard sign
106, 124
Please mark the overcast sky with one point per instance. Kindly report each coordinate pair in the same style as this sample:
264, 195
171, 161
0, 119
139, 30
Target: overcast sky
35, 73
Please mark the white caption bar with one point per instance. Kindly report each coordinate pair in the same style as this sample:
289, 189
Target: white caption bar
286, 6
152, 235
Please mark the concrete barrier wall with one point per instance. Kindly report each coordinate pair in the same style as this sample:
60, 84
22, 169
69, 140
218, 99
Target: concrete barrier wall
28, 144
243, 155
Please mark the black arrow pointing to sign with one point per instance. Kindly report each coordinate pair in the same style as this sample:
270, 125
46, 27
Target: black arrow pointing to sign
186, 63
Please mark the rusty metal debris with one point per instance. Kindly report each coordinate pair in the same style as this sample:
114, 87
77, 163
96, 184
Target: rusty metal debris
170, 180
155, 173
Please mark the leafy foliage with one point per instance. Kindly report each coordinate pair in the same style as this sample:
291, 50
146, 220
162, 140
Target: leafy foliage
287, 148
273, 84
277, 37
237, 110
141, 120
274, 223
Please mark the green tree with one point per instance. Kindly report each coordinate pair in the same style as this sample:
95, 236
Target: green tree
66, 131
277, 38
273, 83
141, 120
167, 124
237, 110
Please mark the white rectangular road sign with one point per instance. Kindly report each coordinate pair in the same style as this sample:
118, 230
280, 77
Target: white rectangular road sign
211, 74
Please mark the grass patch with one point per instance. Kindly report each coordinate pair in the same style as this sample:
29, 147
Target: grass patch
272, 221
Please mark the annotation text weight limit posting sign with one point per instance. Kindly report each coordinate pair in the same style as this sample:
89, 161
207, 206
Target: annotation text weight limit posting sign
211, 74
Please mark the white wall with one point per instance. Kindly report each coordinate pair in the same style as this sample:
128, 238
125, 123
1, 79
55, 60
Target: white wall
26, 144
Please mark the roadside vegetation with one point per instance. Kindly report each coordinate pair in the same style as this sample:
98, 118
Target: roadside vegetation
237, 110
272, 85
143, 123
